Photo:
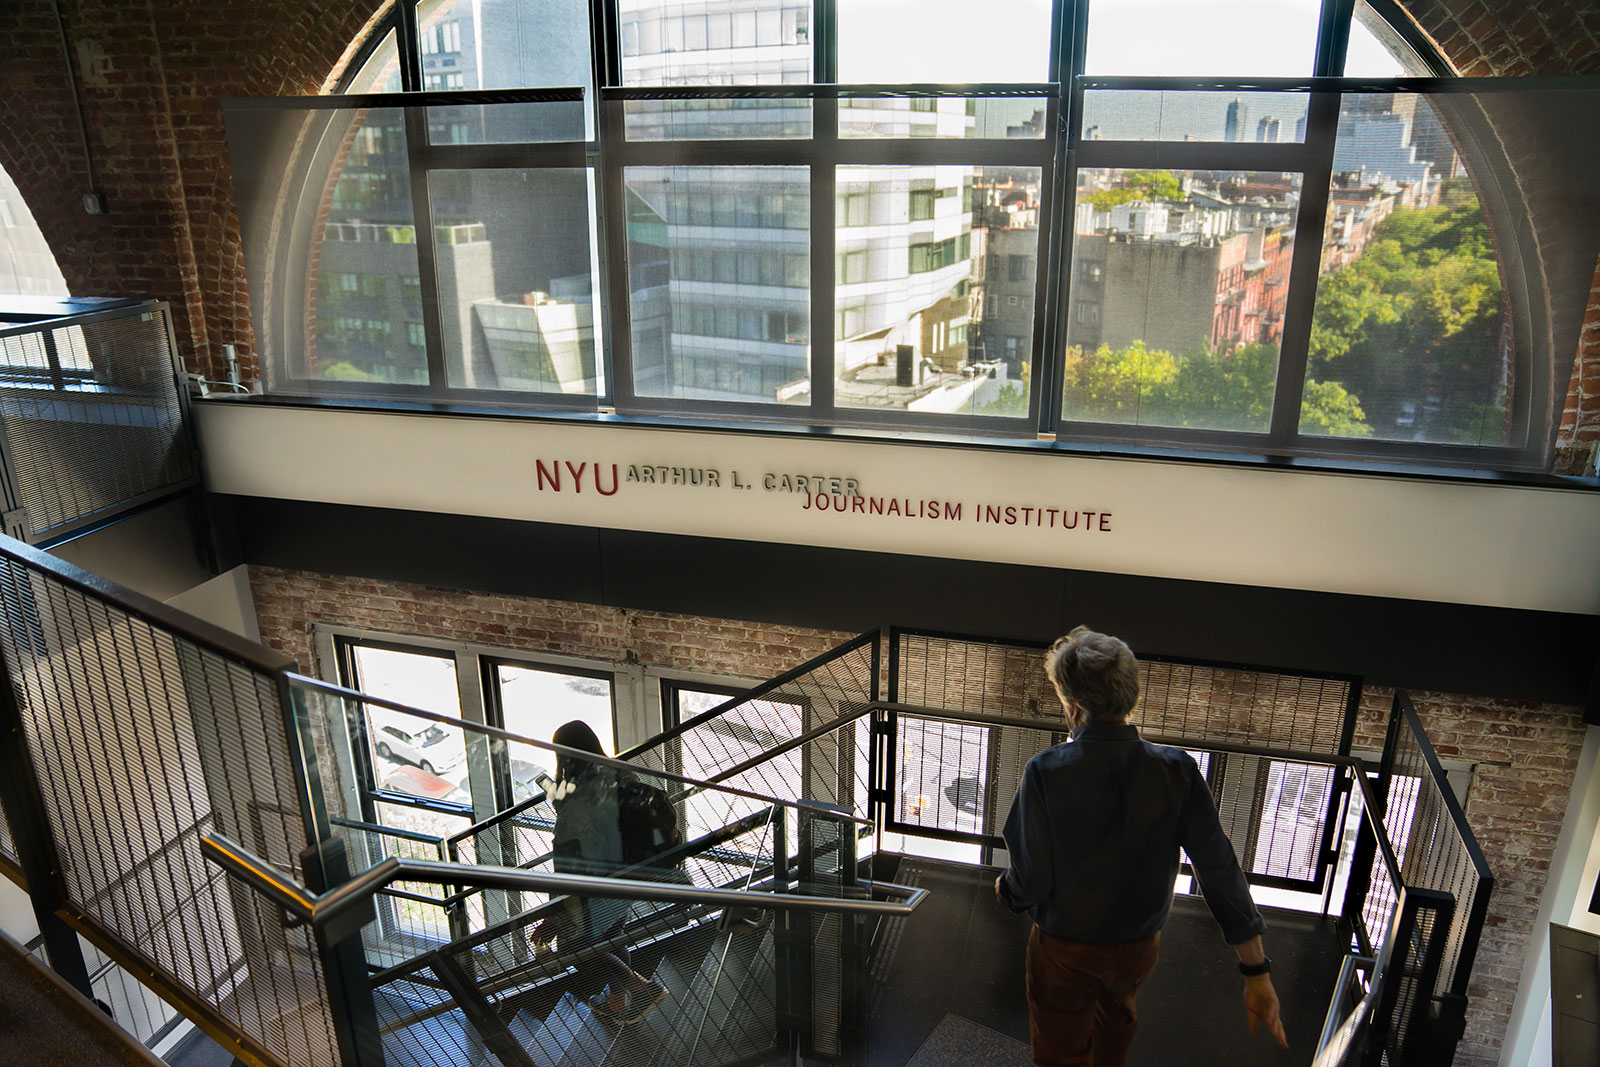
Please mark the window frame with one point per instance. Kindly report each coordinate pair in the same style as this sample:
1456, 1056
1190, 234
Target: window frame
333, 645
610, 152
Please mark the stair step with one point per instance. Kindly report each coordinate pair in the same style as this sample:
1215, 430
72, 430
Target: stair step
641, 1042
573, 1037
728, 1010
748, 986
442, 1041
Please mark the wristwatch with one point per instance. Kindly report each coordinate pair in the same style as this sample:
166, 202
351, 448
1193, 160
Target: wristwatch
1251, 970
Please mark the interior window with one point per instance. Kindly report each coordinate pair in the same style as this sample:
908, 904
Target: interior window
27, 266
411, 755
534, 701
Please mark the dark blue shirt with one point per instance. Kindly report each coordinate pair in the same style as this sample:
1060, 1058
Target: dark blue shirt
1094, 836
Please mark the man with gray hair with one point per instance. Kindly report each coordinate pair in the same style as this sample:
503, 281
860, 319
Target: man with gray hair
1093, 839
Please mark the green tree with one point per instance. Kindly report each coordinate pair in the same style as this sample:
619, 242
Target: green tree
345, 371
1113, 385
1210, 389
1146, 185
1414, 324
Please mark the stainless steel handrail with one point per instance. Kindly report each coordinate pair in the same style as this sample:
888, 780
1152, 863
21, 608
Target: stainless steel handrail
318, 908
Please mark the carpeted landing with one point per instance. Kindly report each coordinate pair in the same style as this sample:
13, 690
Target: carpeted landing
950, 986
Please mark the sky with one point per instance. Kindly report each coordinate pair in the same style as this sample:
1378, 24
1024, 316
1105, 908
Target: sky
940, 41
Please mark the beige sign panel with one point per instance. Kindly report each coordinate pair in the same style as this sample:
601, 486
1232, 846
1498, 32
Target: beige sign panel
1449, 541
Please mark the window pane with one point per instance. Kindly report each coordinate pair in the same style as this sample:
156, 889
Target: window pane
411, 754
1156, 115
927, 294
684, 277
1409, 339
507, 123
942, 41
27, 266
518, 46
989, 118
358, 331
731, 118
1377, 51
381, 72
1245, 38
413, 678
516, 279
758, 726
1178, 288
718, 42
535, 701
402, 918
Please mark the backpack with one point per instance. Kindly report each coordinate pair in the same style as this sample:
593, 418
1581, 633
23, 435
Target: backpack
648, 822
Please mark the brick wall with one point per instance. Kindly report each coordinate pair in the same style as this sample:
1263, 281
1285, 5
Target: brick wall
1526, 754
151, 77
290, 603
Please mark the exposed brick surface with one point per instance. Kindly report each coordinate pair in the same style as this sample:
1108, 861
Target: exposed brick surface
152, 75
290, 603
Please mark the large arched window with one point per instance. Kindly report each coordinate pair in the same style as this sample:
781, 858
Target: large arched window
1136, 222
27, 266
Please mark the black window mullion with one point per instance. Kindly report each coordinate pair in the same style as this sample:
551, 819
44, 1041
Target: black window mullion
1322, 130
611, 312
416, 120
1069, 29
409, 43
616, 293
605, 50
1333, 38
1052, 382
1049, 294
825, 41
824, 183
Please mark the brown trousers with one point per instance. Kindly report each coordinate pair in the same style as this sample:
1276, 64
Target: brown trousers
1080, 999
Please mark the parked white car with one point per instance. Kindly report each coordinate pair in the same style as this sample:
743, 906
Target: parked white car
427, 745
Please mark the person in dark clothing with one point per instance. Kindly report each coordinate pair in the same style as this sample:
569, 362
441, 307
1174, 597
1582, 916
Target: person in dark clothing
1093, 839
588, 840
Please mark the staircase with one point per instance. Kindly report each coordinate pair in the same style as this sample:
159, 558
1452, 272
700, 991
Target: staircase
721, 1008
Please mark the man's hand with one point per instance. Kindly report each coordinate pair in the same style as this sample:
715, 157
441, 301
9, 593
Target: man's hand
999, 894
1261, 1007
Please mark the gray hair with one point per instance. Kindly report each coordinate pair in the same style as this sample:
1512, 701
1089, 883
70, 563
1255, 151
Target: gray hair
1098, 671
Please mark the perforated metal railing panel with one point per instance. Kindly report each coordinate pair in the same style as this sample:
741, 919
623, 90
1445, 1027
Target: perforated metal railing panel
101, 427
1435, 847
824, 690
8, 846
144, 740
1179, 700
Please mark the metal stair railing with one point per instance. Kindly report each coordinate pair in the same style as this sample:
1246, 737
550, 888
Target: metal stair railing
708, 1004
1407, 931
126, 727
734, 834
